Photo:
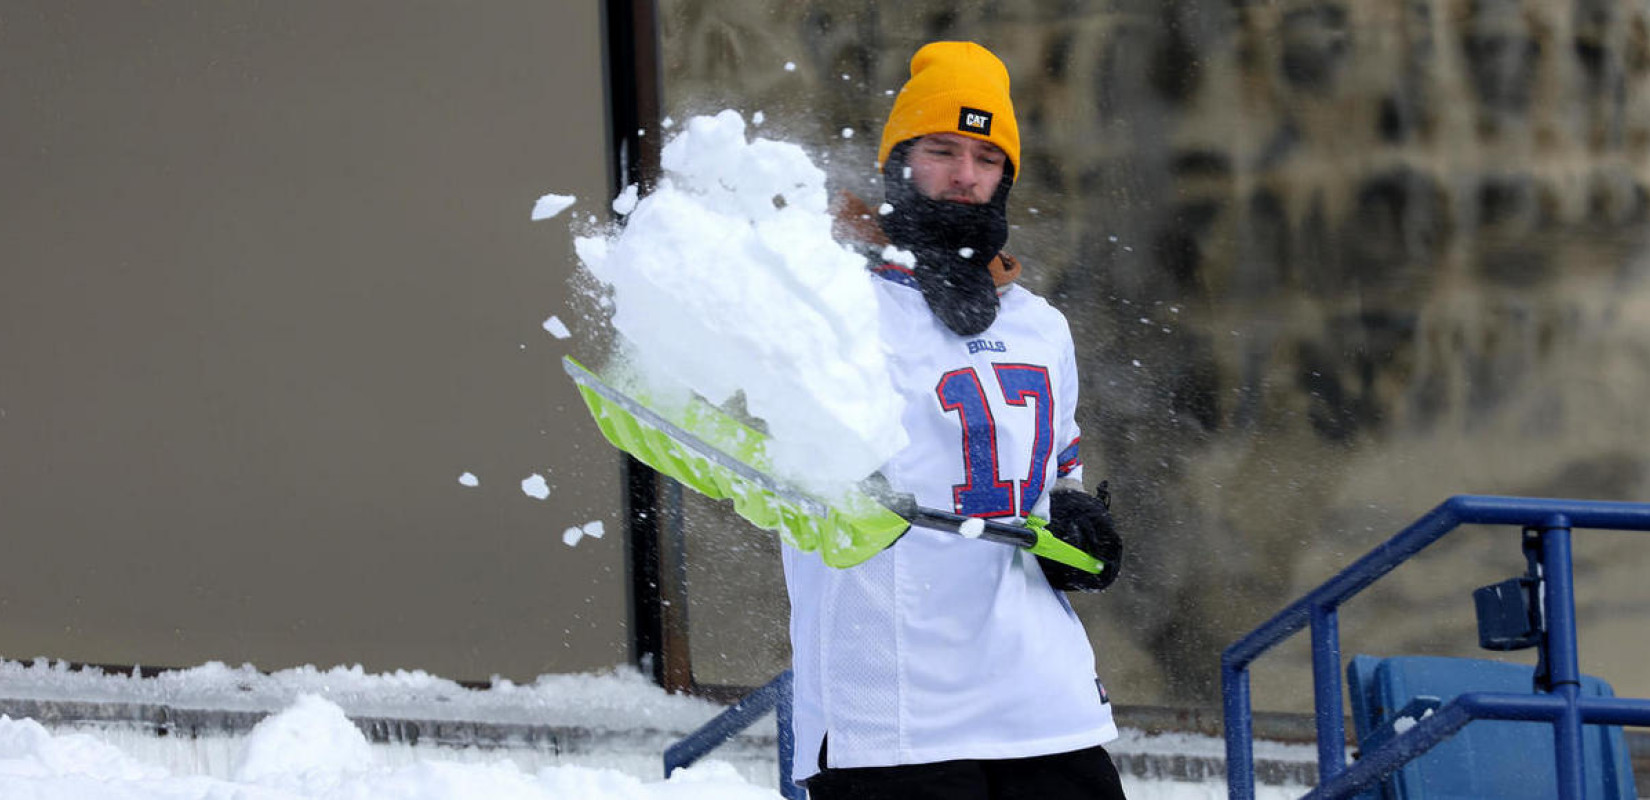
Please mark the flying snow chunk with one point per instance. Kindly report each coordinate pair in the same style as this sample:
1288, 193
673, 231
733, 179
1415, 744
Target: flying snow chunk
552, 204
972, 528
592, 529
847, 133
534, 486
896, 255
556, 327
790, 66
469, 479
626, 201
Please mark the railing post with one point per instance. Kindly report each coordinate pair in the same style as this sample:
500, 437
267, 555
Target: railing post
1563, 662
783, 715
1326, 688
1240, 748
775, 696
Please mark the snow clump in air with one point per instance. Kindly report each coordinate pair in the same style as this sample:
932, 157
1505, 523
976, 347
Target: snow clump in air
534, 486
593, 529
626, 201
552, 204
555, 327
725, 280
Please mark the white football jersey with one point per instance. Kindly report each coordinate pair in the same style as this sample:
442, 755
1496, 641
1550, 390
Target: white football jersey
943, 647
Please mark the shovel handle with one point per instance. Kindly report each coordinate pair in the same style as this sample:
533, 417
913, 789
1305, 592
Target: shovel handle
1034, 535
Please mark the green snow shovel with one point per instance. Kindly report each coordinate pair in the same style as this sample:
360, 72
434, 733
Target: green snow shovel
718, 456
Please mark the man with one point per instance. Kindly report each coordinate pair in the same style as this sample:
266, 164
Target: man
946, 667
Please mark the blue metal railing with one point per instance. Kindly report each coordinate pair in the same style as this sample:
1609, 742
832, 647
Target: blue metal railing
1552, 520
773, 696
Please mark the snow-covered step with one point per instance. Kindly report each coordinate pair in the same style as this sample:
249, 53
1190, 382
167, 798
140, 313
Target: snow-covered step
205, 742
199, 722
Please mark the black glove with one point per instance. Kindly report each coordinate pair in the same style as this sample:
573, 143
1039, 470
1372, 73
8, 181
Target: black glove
1084, 522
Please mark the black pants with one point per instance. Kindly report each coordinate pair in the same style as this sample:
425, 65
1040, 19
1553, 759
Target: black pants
1078, 775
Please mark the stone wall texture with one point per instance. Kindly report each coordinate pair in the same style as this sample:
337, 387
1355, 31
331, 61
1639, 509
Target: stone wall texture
1327, 263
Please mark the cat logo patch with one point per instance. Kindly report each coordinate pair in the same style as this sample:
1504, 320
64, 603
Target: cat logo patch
973, 120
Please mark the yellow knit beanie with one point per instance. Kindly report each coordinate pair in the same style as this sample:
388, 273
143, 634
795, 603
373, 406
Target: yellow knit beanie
955, 87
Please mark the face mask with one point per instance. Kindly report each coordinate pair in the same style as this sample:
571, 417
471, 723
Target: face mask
953, 243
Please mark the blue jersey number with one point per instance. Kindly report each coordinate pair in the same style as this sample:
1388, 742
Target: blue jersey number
986, 494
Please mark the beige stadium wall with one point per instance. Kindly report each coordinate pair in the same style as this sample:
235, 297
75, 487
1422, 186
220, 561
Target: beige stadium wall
268, 286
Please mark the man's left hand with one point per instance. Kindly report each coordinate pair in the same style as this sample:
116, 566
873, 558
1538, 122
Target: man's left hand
1083, 521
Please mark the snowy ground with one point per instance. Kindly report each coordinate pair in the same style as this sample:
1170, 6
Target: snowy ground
307, 748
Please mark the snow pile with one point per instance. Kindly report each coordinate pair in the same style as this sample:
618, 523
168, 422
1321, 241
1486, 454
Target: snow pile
725, 280
623, 699
313, 736
312, 752
29, 751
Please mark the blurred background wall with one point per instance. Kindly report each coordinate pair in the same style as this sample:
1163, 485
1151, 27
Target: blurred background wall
1327, 264
268, 287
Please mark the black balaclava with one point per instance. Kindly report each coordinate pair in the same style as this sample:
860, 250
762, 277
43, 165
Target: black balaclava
959, 289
